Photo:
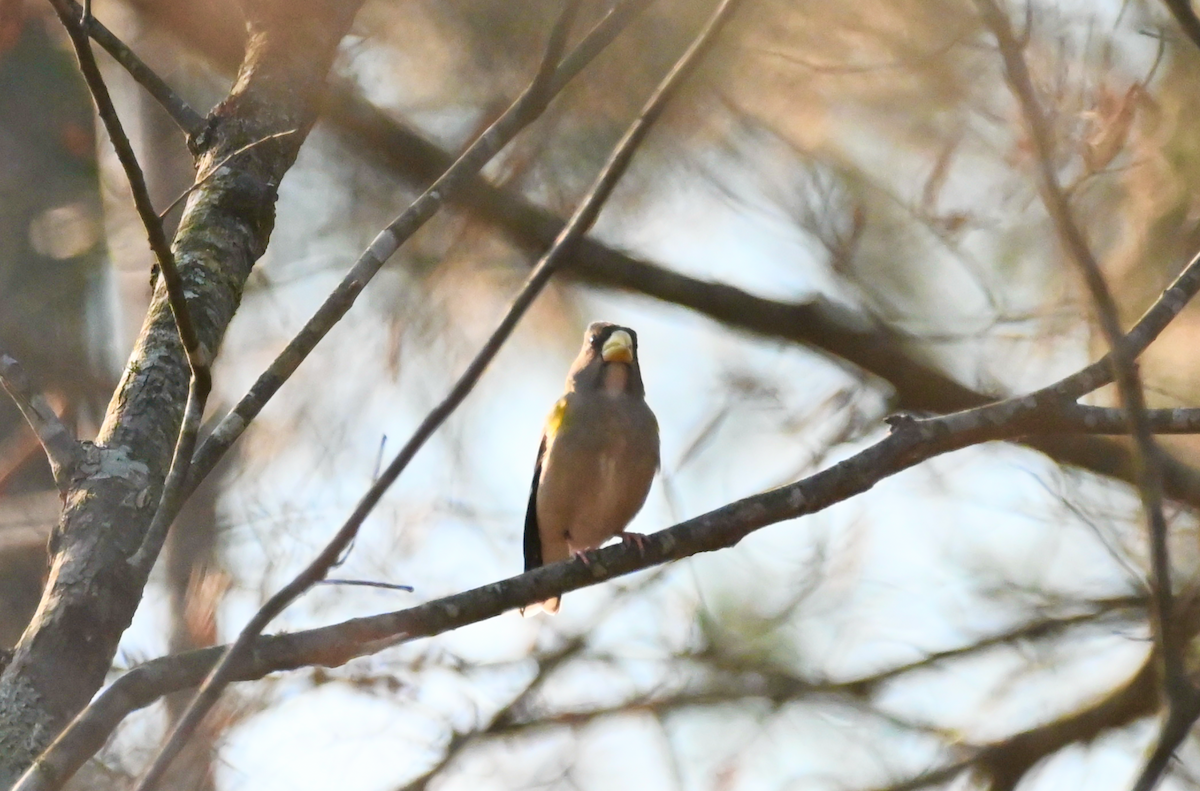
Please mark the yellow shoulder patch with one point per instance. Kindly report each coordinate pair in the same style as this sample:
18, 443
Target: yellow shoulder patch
557, 419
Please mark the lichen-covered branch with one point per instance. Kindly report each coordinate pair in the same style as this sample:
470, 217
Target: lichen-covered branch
92, 590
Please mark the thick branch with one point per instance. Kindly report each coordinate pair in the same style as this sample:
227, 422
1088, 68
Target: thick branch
93, 591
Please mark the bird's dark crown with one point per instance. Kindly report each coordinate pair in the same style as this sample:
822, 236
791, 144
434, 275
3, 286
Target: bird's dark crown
600, 331
588, 370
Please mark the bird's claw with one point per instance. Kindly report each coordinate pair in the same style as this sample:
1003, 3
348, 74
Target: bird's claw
637, 539
581, 556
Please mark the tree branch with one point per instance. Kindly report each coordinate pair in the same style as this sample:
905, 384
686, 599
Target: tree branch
1183, 698
582, 220
458, 175
92, 592
59, 443
198, 356
187, 119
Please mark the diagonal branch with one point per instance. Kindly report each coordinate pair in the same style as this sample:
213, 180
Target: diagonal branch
187, 119
458, 175
198, 355
582, 220
62, 449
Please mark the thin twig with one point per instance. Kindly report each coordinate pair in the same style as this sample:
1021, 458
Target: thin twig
187, 119
1185, 15
547, 663
582, 220
1183, 700
198, 357
456, 179
59, 443
368, 584
215, 169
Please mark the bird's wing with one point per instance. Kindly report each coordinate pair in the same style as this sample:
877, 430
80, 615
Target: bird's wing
533, 537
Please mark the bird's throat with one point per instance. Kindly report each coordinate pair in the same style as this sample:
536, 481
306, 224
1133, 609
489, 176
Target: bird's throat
616, 378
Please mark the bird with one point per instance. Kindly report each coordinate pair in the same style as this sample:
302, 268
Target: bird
597, 458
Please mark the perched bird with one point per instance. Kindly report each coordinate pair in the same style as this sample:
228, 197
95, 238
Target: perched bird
598, 455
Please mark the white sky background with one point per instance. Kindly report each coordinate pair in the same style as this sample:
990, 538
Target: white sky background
910, 563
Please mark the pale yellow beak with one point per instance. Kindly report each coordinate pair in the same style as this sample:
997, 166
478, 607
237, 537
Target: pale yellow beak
618, 348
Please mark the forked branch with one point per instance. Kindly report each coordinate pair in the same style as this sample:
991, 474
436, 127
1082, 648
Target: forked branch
60, 445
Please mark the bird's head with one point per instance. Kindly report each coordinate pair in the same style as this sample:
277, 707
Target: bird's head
608, 360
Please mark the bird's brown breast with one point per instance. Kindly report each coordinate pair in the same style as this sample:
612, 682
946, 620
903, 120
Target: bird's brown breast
597, 472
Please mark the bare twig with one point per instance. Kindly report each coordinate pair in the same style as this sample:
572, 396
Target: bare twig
369, 584
547, 663
1185, 15
459, 176
62, 449
215, 169
181, 113
198, 356
582, 220
1183, 699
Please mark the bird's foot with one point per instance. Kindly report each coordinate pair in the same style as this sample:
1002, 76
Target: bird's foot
637, 539
581, 556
